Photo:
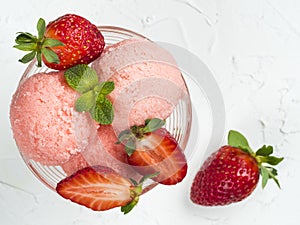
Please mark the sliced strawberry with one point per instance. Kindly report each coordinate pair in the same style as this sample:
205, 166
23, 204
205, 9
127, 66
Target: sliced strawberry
152, 149
99, 188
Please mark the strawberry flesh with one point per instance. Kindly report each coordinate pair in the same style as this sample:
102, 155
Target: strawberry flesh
159, 151
99, 188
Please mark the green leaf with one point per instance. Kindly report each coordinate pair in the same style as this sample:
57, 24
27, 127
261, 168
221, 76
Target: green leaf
41, 27
124, 135
130, 146
275, 179
25, 37
265, 151
50, 42
81, 77
107, 87
265, 175
148, 176
39, 58
272, 160
86, 101
50, 55
26, 46
153, 125
133, 182
236, 139
272, 170
268, 173
28, 57
127, 208
103, 112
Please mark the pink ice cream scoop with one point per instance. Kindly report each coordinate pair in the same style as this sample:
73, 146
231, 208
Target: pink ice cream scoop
105, 153
45, 125
147, 81
48, 129
148, 84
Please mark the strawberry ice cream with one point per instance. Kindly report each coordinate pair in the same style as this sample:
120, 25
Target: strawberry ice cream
105, 153
147, 81
48, 129
42, 117
148, 84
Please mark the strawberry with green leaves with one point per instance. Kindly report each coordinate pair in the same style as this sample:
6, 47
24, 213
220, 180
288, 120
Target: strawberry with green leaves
67, 41
100, 188
152, 149
231, 174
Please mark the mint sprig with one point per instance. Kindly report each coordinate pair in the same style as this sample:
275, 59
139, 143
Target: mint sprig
93, 98
262, 156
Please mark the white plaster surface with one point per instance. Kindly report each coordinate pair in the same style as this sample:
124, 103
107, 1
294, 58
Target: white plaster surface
253, 49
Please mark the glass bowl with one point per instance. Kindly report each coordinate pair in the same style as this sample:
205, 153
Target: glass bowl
179, 123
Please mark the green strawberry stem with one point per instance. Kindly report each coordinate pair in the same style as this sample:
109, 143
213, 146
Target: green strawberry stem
37, 46
136, 192
262, 156
129, 137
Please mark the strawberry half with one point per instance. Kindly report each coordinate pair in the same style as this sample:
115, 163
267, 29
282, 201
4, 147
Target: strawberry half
65, 42
152, 149
231, 174
101, 188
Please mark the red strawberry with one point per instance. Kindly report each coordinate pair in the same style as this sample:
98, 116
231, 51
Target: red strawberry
232, 173
152, 149
100, 188
65, 42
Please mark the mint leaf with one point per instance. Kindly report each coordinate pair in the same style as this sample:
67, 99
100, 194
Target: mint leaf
153, 124
107, 87
86, 101
265, 151
102, 112
81, 77
84, 79
236, 139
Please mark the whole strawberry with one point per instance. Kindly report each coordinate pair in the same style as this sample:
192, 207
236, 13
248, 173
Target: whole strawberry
232, 173
67, 41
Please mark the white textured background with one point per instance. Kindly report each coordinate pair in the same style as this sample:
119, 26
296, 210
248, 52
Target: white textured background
253, 48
